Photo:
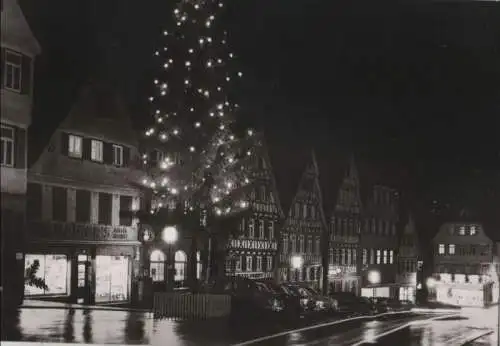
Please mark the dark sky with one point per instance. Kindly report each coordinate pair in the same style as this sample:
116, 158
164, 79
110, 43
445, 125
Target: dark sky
417, 84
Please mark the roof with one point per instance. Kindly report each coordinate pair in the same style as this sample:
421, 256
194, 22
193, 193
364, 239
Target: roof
16, 31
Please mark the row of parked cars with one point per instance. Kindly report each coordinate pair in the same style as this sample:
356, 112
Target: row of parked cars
295, 299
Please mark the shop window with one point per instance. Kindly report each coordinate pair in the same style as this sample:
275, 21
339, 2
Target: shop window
180, 265
112, 278
157, 266
53, 269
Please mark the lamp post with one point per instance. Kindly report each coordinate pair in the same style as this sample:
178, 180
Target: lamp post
169, 236
374, 279
431, 284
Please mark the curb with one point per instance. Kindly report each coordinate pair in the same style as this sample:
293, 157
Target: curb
82, 307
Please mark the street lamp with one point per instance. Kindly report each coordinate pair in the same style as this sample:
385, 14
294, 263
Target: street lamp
374, 279
297, 262
169, 236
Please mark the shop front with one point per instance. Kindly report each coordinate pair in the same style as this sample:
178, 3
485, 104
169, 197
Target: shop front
112, 279
54, 269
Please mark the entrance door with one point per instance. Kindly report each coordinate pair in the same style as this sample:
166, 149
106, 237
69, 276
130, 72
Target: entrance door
84, 280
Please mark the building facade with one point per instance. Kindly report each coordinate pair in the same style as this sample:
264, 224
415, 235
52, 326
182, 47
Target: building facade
79, 190
19, 49
464, 270
252, 250
303, 231
408, 257
344, 234
379, 243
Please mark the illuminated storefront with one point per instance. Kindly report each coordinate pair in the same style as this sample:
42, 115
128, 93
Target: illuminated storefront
54, 270
112, 279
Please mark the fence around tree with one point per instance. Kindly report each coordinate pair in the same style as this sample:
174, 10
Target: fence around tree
185, 306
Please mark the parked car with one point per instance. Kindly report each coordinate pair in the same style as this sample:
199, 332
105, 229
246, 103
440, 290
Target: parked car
248, 296
391, 304
348, 302
323, 303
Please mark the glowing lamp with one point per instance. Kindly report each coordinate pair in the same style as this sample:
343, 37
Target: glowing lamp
169, 234
297, 262
374, 277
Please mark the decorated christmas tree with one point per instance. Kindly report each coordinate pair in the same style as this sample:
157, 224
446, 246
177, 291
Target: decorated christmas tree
199, 170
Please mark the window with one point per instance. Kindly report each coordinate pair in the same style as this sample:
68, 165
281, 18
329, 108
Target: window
309, 245
472, 230
180, 265
441, 249
96, 151
199, 265
304, 211
157, 266
125, 208
105, 207
117, 155
342, 256
293, 240
451, 249
59, 203
461, 230
34, 202
348, 261
12, 71
318, 245
54, 269
297, 210
271, 229
259, 263
7, 146
365, 256
261, 229
372, 256
269, 264
82, 212
391, 256
385, 256
354, 256
263, 193
301, 243
313, 212
331, 255
378, 256
75, 146
285, 243
238, 264
249, 264
251, 228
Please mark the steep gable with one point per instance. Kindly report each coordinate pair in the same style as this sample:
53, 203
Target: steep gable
349, 198
16, 32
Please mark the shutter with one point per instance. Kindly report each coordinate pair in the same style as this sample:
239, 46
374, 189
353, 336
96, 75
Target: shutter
86, 148
64, 143
20, 148
3, 65
107, 154
26, 75
126, 156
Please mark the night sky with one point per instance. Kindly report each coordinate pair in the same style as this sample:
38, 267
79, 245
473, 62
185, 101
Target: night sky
418, 85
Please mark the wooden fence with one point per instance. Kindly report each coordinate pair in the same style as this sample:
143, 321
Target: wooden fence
185, 306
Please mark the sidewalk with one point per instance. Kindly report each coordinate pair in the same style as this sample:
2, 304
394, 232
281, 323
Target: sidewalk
44, 304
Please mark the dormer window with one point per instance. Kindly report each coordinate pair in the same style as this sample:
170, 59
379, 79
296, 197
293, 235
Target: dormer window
12, 71
117, 155
75, 146
96, 151
473, 230
461, 230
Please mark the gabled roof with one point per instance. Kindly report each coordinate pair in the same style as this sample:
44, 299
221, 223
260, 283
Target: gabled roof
16, 32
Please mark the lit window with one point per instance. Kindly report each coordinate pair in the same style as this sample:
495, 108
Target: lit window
238, 264
259, 263
261, 229
473, 230
385, 256
309, 245
157, 266
391, 256
378, 256
365, 256
293, 240
96, 151
301, 243
12, 71
199, 265
249, 263
285, 243
304, 211
7, 146
180, 265
461, 230
269, 263
271, 230
75, 146
251, 228
451, 249
441, 249
318, 245
117, 155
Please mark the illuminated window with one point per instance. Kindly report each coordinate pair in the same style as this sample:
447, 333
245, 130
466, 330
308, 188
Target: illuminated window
53, 269
12, 70
157, 266
251, 228
199, 265
96, 151
7, 149
75, 146
285, 243
378, 256
365, 256
301, 243
372, 256
441, 249
461, 230
271, 229
473, 230
249, 264
117, 155
238, 264
391, 256
385, 256
259, 263
451, 249
261, 229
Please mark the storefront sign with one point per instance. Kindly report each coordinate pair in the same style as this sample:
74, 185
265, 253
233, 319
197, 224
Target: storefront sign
248, 244
75, 231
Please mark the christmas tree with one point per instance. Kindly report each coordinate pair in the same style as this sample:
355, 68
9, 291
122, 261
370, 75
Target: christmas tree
201, 165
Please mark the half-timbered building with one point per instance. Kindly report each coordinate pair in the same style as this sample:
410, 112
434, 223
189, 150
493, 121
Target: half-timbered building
303, 228
252, 250
408, 256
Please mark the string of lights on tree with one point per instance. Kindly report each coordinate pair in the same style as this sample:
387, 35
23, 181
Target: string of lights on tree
206, 162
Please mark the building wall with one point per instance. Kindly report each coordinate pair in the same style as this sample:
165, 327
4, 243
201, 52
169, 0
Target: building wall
18, 51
